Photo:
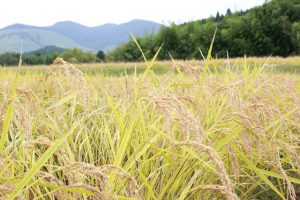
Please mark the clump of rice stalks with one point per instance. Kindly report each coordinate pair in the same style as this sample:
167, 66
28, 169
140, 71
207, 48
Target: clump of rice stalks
101, 174
239, 113
228, 133
227, 189
72, 76
175, 112
191, 70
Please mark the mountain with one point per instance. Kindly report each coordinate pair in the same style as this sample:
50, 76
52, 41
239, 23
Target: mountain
69, 34
30, 39
105, 36
20, 26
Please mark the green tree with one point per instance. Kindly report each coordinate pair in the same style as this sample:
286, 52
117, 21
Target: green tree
296, 37
9, 59
218, 17
79, 56
101, 55
169, 37
228, 12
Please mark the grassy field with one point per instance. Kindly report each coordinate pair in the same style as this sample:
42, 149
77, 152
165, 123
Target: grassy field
220, 129
275, 64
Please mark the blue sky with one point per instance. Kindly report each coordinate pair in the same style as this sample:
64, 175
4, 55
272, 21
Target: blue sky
97, 12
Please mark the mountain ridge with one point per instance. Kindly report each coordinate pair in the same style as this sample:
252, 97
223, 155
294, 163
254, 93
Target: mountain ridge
72, 34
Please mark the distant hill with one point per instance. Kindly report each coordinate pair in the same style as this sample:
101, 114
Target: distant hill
69, 34
30, 39
105, 36
46, 50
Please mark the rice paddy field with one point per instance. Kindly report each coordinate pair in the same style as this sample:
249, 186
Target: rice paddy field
213, 129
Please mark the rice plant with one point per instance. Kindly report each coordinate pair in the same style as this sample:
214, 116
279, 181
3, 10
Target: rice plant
223, 129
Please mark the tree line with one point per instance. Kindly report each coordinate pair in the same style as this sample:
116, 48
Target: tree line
270, 29
45, 58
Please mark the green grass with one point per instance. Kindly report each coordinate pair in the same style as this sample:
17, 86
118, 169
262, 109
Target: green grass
158, 131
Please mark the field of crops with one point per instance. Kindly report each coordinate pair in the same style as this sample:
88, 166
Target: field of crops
214, 129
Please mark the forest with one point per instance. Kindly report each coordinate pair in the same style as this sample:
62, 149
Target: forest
270, 29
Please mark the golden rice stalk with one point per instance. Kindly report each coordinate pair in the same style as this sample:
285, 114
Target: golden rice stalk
175, 111
228, 189
74, 76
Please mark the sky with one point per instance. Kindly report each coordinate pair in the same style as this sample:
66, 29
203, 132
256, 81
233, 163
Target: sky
93, 12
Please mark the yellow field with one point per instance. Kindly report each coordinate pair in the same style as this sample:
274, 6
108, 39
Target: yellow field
251, 60
224, 129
